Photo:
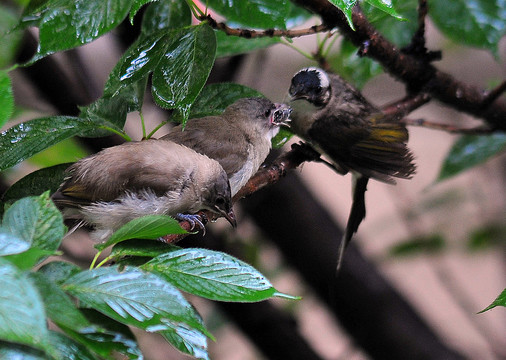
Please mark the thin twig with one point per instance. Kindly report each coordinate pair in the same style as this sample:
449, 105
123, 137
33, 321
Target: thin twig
406, 105
250, 33
448, 128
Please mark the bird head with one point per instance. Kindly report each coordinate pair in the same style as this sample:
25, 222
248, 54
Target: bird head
311, 84
218, 198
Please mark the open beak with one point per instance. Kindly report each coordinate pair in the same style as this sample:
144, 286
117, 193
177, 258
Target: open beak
281, 114
230, 216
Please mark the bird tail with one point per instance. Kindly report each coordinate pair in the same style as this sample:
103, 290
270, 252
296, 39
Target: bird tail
357, 214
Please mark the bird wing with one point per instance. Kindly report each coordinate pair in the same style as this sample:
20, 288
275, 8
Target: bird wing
223, 146
107, 174
375, 149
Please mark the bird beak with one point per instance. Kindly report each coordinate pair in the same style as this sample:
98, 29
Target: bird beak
281, 114
229, 215
296, 93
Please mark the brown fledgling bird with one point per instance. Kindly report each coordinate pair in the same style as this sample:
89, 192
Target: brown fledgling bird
239, 139
338, 122
118, 184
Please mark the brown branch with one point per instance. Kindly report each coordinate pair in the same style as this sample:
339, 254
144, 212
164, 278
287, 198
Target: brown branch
492, 96
446, 127
265, 176
406, 105
250, 33
411, 70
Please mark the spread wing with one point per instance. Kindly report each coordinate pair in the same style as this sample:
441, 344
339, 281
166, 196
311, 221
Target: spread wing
228, 146
376, 149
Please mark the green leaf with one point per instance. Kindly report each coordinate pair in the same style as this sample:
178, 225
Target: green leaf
66, 151
6, 98
281, 138
262, 14
214, 98
136, 5
139, 247
145, 227
109, 337
59, 271
133, 297
346, 7
478, 23
187, 340
398, 32
36, 220
68, 349
9, 38
65, 24
22, 310
59, 307
499, 301
228, 45
213, 275
36, 183
385, 6
353, 68
12, 244
164, 15
26, 139
20, 352
471, 150
431, 244
184, 68
487, 237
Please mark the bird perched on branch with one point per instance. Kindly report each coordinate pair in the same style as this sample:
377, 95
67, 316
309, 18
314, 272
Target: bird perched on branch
108, 189
338, 122
239, 139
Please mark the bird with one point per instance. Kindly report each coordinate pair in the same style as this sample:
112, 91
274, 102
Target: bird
336, 121
118, 184
239, 139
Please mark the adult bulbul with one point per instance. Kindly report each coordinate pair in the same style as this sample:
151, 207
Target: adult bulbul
239, 139
118, 184
337, 121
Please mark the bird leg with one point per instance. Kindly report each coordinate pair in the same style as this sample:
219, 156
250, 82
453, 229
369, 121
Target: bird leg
194, 220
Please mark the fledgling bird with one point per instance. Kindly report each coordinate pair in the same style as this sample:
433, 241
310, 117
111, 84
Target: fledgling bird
239, 139
338, 122
118, 184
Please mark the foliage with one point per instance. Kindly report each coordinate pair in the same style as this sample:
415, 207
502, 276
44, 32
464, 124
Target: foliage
143, 290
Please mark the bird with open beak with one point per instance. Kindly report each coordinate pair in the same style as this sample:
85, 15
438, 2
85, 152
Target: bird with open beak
118, 184
339, 123
239, 139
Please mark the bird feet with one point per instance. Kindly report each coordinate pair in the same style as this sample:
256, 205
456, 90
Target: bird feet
194, 220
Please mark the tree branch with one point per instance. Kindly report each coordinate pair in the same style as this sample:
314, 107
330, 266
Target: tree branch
446, 127
250, 33
416, 72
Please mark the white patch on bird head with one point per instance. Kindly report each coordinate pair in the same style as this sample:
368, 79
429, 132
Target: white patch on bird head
322, 76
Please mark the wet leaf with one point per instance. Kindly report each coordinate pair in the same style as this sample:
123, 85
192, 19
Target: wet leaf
499, 301
22, 310
213, 275
478, 23
261, 14
133, 297
471, 150
164, 15
12, 244
59, 271
145, 227
140, 247
346, 7
281, 138
26, 139
187, 340
385, 6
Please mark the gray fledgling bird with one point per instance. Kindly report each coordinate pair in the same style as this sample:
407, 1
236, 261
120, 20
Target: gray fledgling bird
337, 121
239, 139
124, 182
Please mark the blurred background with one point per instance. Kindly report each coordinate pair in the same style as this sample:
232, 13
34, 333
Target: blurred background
427, 258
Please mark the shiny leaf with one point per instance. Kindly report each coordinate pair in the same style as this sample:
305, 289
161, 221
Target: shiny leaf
262, 14
214, 98
68, 349
59, 271
479, 23
133, 297
187, 340
136, 5
213, 275
66, 24
22, 310
346, 7
6, 98
164, 15
26, 139
12, 244
281, 138
385, 6
471, 150
146, 227
499, 301
139, 247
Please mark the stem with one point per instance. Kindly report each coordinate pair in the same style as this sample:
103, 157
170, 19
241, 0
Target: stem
195, 9
143, 125
300, 51
92, 265
104, 261
122, 134
156, 129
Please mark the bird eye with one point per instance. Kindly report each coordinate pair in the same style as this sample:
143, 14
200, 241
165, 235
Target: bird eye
319, 89
267, 113
220, 200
